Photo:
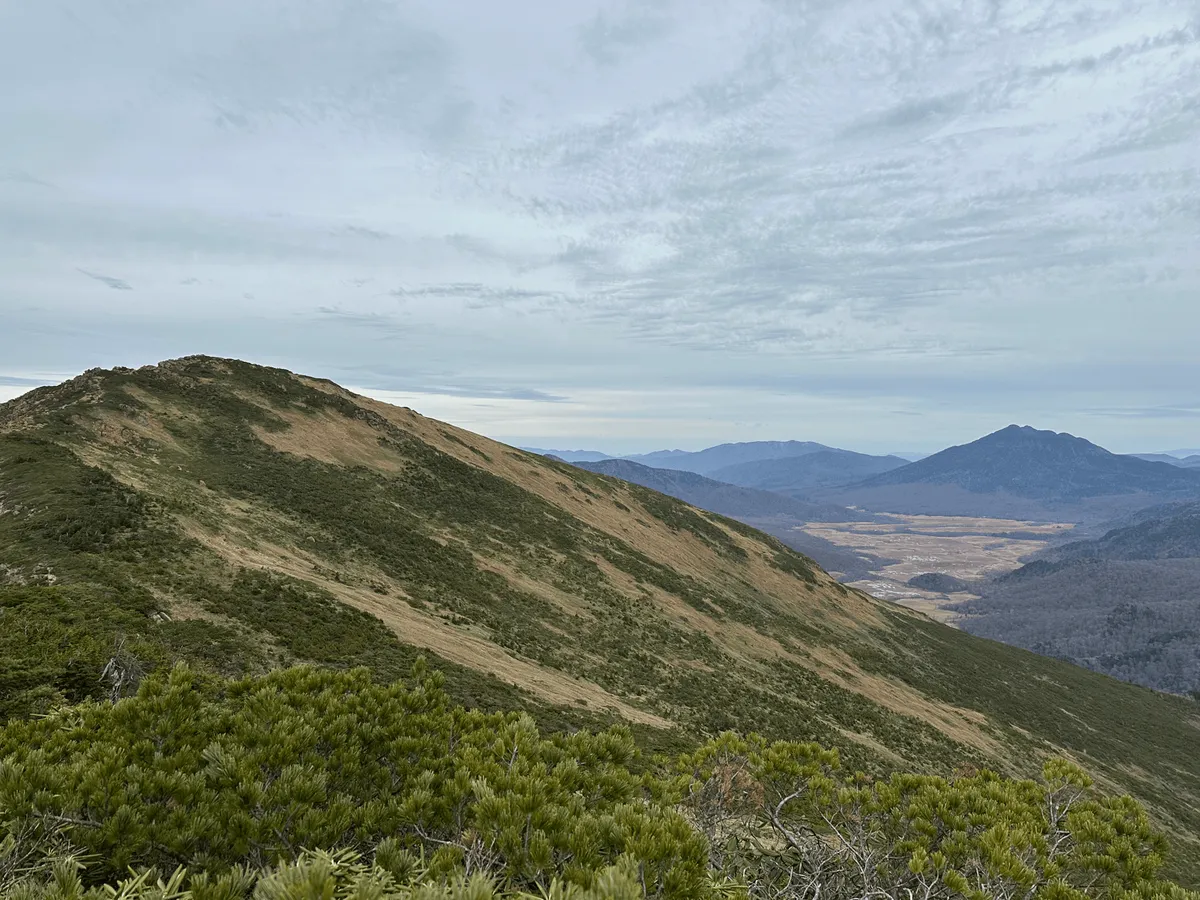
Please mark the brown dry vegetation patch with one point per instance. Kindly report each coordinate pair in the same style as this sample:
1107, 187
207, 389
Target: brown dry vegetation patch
872, 744
956, 722
567, 602
636, 526
423, 630
333, 439
539, 476
125, 431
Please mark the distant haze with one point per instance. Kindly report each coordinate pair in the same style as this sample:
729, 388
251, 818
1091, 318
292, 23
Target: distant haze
623, 226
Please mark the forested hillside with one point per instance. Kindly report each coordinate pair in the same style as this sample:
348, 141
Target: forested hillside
1125, 603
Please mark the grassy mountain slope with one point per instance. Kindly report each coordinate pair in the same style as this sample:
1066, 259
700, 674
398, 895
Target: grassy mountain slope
243, 518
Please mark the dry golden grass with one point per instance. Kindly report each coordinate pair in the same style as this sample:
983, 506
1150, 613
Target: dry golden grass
412, 626
961, 724
330, 438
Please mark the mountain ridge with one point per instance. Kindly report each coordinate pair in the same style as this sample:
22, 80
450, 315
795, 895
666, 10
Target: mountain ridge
243, 518
569, 455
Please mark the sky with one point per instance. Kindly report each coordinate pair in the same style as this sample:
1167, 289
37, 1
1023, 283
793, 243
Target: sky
889, 225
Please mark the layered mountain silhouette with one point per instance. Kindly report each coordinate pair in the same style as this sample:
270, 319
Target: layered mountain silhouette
705, 462
1162, 532
1190, 461
721, 497
569, 455
1160, 457
801, 475
1023, 472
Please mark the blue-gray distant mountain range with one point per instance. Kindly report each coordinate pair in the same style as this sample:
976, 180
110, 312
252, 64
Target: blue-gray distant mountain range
1191, 461
722, 497
571, 456
792, 468
1016, 472
706, 462
801, 475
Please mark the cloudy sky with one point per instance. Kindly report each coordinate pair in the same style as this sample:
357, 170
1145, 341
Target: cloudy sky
881, 224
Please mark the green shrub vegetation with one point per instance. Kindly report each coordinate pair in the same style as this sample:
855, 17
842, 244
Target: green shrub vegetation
312, 783
111, 485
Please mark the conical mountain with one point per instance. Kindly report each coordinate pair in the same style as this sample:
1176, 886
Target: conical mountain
1024, 471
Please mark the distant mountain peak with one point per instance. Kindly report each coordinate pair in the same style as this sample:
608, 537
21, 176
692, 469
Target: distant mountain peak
1019, 461
1028, 431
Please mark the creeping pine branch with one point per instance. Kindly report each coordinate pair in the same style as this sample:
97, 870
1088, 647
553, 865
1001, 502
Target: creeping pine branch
778, 822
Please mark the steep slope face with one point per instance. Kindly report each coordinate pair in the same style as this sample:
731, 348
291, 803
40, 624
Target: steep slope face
719, 497
242, 518
704, 462
1025, 472
801, 475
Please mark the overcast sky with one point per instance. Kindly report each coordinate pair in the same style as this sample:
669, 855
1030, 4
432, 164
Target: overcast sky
879, 224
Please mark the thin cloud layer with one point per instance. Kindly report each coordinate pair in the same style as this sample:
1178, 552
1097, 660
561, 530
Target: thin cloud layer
874, 223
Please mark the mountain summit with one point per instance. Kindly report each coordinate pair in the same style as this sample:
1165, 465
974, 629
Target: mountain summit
243, 518
1023, 471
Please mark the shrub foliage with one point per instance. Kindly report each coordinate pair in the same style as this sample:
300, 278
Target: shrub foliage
313, 783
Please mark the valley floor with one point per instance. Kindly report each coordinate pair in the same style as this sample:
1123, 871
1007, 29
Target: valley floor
905, 546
